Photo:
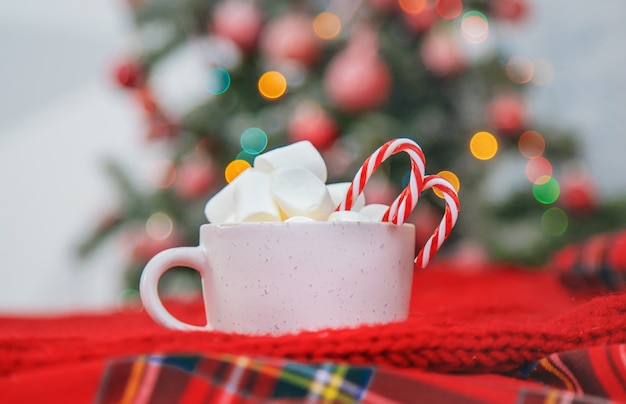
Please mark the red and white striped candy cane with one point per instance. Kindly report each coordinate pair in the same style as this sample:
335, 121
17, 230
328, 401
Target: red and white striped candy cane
402, 207
447, 223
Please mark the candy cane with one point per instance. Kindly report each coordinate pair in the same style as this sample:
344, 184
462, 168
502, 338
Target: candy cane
402, 207
447, 223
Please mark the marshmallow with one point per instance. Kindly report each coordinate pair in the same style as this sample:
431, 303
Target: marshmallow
374, 211
220, 208
338, 194
297, 155
253, 198
299, 219
347, 216
299, 192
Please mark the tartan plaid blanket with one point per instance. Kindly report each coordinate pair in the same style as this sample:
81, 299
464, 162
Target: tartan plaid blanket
223, 378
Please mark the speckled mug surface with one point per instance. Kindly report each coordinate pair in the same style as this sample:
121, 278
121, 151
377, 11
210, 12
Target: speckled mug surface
277, 278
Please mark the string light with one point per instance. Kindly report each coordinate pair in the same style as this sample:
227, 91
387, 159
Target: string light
520, 70
531, 144
452, 178
218, 80
474, 27
554, 221
483, 145
159, 226
326, 25
538, 170
412, 6
449, 9
253, 140
246, 156
234, 168
547, 190
272, 85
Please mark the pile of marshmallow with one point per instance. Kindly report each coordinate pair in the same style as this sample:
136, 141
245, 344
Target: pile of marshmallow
287, 184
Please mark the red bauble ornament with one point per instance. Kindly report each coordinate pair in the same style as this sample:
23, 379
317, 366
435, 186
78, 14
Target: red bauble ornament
291, 37
578, 194
379, 190
357, 79
194, 179
338, 160
422, 21
441, 55
507, 113
310, 122
512, 10
238, 21
128, 74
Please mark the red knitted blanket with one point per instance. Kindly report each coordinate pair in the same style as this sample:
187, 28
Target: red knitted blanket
492, 321
483, 324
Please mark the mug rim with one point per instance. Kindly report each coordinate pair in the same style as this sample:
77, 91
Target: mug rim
305, 224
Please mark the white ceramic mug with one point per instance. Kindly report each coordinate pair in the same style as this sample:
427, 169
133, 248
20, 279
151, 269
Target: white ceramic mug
277, 278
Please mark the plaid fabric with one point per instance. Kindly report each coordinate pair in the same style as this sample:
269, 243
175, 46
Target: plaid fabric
225, 378
598, 262
598, 371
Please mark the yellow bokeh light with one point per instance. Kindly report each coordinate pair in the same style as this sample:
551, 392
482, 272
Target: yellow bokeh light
272, 85
452, 179
234, 168
412, 6
483, 145
326, 25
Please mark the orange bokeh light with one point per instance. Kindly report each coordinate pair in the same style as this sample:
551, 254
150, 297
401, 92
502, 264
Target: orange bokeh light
412, 6
272, 85
326, 25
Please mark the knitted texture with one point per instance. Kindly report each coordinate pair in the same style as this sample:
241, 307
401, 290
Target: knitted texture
495, 320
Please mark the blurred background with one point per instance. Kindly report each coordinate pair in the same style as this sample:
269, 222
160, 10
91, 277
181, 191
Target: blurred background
97, 109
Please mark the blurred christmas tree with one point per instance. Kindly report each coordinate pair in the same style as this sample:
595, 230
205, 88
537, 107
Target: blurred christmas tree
349, 75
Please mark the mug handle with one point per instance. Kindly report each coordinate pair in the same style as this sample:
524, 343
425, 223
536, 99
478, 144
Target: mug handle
192, 257
448, 221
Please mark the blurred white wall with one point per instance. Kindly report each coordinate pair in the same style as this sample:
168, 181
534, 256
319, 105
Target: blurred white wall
60, 117
587, 96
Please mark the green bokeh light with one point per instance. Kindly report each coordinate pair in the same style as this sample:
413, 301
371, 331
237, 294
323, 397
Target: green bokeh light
253, 140
547, 192
475, 13
218, 80
554, 221
243, 155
